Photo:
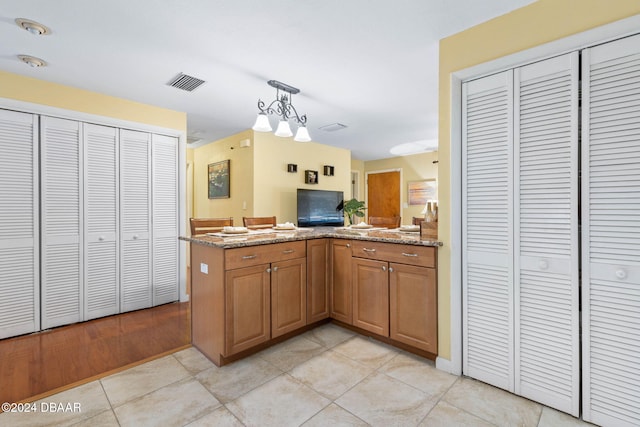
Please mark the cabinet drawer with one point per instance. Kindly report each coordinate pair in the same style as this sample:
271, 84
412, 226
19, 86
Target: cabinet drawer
263, 254
422, 256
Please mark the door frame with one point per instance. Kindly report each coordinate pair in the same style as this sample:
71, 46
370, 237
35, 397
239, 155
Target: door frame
366, 185
605, 33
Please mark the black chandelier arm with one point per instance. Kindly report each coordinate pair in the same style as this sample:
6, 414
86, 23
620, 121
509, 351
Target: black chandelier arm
283, 109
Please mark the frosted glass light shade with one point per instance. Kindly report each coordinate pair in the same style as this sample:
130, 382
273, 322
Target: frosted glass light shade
302, 135
262, 123
283, 129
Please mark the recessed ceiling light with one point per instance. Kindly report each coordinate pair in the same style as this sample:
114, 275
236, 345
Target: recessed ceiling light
33, 27
32, 61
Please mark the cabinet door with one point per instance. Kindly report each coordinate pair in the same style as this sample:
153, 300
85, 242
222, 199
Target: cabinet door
19, 230
101, 287
413, 306
611, 233
341, 293
371, 295
135, 220
247, 308
317, 280
288, 296
164, 151
62, 228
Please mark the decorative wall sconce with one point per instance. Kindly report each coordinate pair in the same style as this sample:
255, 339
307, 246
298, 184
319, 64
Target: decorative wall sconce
328, 170
292, 168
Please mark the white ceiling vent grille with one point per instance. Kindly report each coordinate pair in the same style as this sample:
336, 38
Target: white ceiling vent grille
185, 82
333, 127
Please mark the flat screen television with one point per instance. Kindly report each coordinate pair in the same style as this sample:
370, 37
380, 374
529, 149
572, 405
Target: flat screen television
318, 208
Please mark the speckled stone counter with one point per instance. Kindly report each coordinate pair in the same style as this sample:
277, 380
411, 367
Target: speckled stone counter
263, 237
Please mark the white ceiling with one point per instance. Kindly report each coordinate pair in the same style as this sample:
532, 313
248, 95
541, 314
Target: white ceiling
369, 64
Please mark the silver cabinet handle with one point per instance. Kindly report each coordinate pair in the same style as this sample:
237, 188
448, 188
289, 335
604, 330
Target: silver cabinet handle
384, 268
390, 269
268, 270
249, 256
275, 269
288, 251
411, 255
368, 250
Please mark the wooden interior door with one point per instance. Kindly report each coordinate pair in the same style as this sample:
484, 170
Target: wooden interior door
383, 194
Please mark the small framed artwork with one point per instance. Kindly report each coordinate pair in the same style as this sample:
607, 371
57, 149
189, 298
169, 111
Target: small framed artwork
219, 179
291, 167
310, 177
419, 192
328, 170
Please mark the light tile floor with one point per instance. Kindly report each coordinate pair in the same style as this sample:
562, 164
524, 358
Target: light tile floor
326, 377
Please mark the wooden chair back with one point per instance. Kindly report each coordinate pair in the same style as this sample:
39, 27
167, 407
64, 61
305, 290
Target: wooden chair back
208, 225
258, 222
416, 220
385, 221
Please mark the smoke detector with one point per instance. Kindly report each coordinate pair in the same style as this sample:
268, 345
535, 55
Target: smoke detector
32, 61
33, 27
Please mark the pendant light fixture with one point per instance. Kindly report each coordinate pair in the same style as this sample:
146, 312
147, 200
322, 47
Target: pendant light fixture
283, 108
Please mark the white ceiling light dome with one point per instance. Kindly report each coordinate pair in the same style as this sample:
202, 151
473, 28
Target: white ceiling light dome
415, 147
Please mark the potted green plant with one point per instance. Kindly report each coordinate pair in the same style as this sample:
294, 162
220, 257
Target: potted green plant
353, 208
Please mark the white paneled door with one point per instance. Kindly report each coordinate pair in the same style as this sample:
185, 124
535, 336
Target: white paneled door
19, 231
61, 221
164, 151
135, 220
101, 225
611, 233
520, 231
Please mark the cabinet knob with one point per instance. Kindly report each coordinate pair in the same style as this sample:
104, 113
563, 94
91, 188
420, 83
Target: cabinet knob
268, 270
348, 245
390, 269
101, 238
135, 237
275, 269
621, 274
543, 264
384, 268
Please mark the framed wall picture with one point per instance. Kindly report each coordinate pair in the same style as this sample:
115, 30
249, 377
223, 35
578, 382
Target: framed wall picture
219, 179
310, 177
419, 192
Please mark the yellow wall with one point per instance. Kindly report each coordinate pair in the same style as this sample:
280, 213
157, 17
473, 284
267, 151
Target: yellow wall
415, 167
259, 175
275, 188
533, 25
241, 185
358, 166
36, 91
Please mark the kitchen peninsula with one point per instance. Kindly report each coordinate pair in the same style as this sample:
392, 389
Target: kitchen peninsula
254, 290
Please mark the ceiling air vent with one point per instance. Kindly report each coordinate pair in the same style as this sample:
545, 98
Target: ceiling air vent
333, 127
185, 82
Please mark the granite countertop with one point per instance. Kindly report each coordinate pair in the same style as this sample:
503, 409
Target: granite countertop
263, 237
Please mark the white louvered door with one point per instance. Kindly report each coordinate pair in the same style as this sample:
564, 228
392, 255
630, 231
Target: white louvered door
101, 278
61, 221
611, 233
487, 209
135, 220
546, 262
164, 151
19, 231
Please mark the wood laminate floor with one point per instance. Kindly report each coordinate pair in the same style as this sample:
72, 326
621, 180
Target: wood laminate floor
46, 362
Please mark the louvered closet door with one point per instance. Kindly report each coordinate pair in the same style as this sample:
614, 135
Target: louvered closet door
135, 220
611, 233
165, 218
19, 233
546, 281
487, 203
101, 281
61, 201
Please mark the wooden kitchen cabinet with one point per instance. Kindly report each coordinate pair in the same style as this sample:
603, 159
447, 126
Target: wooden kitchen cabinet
371, 295
247, 308
413, 306
318, 279
288, 296
341, 305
